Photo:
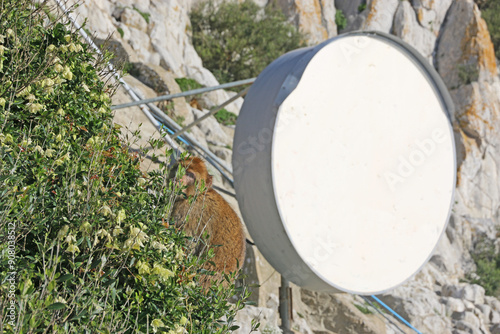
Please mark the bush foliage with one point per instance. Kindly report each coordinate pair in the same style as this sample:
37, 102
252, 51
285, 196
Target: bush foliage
84, 234
490, 11
225, 117
237, 41
487, 272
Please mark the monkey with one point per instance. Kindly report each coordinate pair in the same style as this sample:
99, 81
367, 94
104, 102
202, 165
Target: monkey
201, 209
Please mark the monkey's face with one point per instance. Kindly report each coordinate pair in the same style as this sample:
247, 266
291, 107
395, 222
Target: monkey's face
195, 177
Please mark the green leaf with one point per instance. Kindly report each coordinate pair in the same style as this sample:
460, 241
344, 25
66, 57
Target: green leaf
56, 306
65, 278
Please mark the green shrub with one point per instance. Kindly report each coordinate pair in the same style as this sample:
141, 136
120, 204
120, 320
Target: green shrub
363, 308
186, 84
237, 40
490, 11
487, 268
340, 19
84, 234
225, 117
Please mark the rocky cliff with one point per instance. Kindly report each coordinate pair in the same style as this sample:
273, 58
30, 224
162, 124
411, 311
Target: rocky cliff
153, 35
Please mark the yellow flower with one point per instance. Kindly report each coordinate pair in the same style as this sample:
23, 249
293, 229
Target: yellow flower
2, 102
86, 228
72, 47
143, 268
58, 138
106, 210
117, 231
39, 149
102, 110
58, 68
63, 48
158, 245
85, 87
51, 48
62, 232
102, 233
27, 284
164, 273
60, 112
137, 236
157, 323
47, 82
31, 98
24, 91
179, 254
67, 74
67, 38
49, 152
72, 249
120, 216
177, 330
10, 32
35, 107
70, 238
8, 138
183, 321
2, 39
2, 49
25, 142
104, 98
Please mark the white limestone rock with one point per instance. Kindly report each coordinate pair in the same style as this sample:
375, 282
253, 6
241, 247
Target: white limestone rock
316, 18
212, 129
465, 53
453, 305
469, 292
380, 15
268, 319
133, 19
409, 30
493, 302
222, 152
431, 13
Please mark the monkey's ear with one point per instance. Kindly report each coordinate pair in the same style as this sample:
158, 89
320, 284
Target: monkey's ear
209, 182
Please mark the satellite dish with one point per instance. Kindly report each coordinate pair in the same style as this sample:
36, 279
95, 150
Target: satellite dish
344, 163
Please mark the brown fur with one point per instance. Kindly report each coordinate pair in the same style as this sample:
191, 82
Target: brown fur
212, 214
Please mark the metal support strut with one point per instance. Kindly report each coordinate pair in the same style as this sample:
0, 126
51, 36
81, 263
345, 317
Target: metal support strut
285, 307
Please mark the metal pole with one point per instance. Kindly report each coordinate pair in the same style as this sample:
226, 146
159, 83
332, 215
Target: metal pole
183, 94
285, 307
164, 118
210, 113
